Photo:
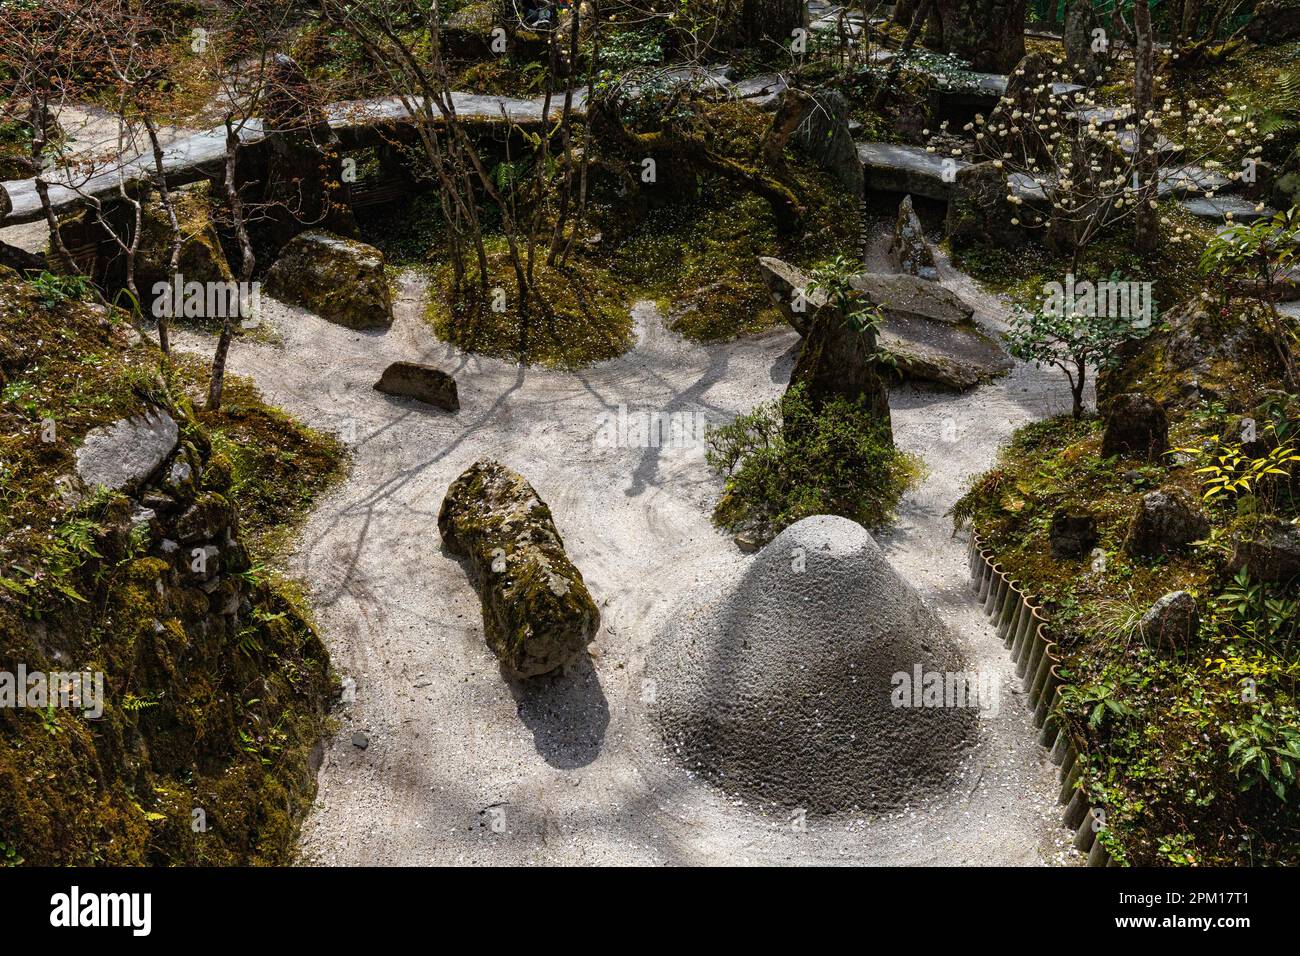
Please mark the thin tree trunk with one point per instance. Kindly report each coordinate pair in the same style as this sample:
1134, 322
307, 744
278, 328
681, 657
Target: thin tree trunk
165, 197
1146, 220
38, 117
248, 262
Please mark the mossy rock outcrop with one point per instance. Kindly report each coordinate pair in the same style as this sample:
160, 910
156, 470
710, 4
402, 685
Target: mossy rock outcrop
537, 612
339, 279
202, 258
213, 683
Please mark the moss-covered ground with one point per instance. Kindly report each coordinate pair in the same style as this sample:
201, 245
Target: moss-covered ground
202, 755
1170, 733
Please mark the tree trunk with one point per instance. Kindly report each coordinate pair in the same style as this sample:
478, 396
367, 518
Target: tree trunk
768, 21
989, 34
794, 109
164, 197
1076, 389
248, 262
1146, 220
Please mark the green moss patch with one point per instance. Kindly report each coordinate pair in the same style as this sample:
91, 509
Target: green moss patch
575, 316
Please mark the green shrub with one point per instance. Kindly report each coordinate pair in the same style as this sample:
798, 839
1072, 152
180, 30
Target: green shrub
787, 460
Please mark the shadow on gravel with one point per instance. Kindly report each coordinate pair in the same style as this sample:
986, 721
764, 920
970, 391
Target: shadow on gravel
567, 713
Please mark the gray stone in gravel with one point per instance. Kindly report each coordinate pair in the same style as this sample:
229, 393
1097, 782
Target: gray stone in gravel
123, 455
360, 740
424, 383
778, 684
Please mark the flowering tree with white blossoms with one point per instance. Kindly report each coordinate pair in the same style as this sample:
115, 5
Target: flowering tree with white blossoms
1076, 169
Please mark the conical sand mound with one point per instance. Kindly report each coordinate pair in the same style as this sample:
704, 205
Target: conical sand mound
779, 686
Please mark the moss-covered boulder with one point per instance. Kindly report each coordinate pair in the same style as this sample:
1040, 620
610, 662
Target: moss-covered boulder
341, 280
1135, 425
537, 611
979, 213
1167, 522
201, 259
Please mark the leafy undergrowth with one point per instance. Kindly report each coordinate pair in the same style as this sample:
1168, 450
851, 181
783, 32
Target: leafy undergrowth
1021, 274
789, 460
202, 754
1191, 750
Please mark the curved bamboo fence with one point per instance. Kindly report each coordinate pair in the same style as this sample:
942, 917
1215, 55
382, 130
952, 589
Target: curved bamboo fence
1025, 632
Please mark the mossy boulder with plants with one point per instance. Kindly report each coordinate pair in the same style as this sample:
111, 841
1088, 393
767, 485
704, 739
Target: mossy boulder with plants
1179, 662
537, 612
214, 684
201, 257
341, 280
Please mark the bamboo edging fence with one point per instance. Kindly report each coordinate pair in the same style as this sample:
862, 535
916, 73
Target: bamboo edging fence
1024, 630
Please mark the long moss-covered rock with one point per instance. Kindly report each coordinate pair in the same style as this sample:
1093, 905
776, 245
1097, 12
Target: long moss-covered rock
537, 611
341, 280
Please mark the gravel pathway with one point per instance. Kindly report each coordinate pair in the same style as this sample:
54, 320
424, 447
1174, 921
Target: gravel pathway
440, 761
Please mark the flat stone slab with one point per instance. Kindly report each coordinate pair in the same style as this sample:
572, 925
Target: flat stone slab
890, 167
186, 160
710, 78
1103, 115
903, 295
1027, 188
954, 356
763, 91
1190, 180
123, 455
1220, 207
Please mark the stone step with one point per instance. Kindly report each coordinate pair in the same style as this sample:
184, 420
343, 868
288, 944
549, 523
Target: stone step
1191, 181
1224, 207
890, 167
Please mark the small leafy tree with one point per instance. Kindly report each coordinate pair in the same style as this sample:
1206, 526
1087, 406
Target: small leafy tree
1072, 343
833, 280
1255, 258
